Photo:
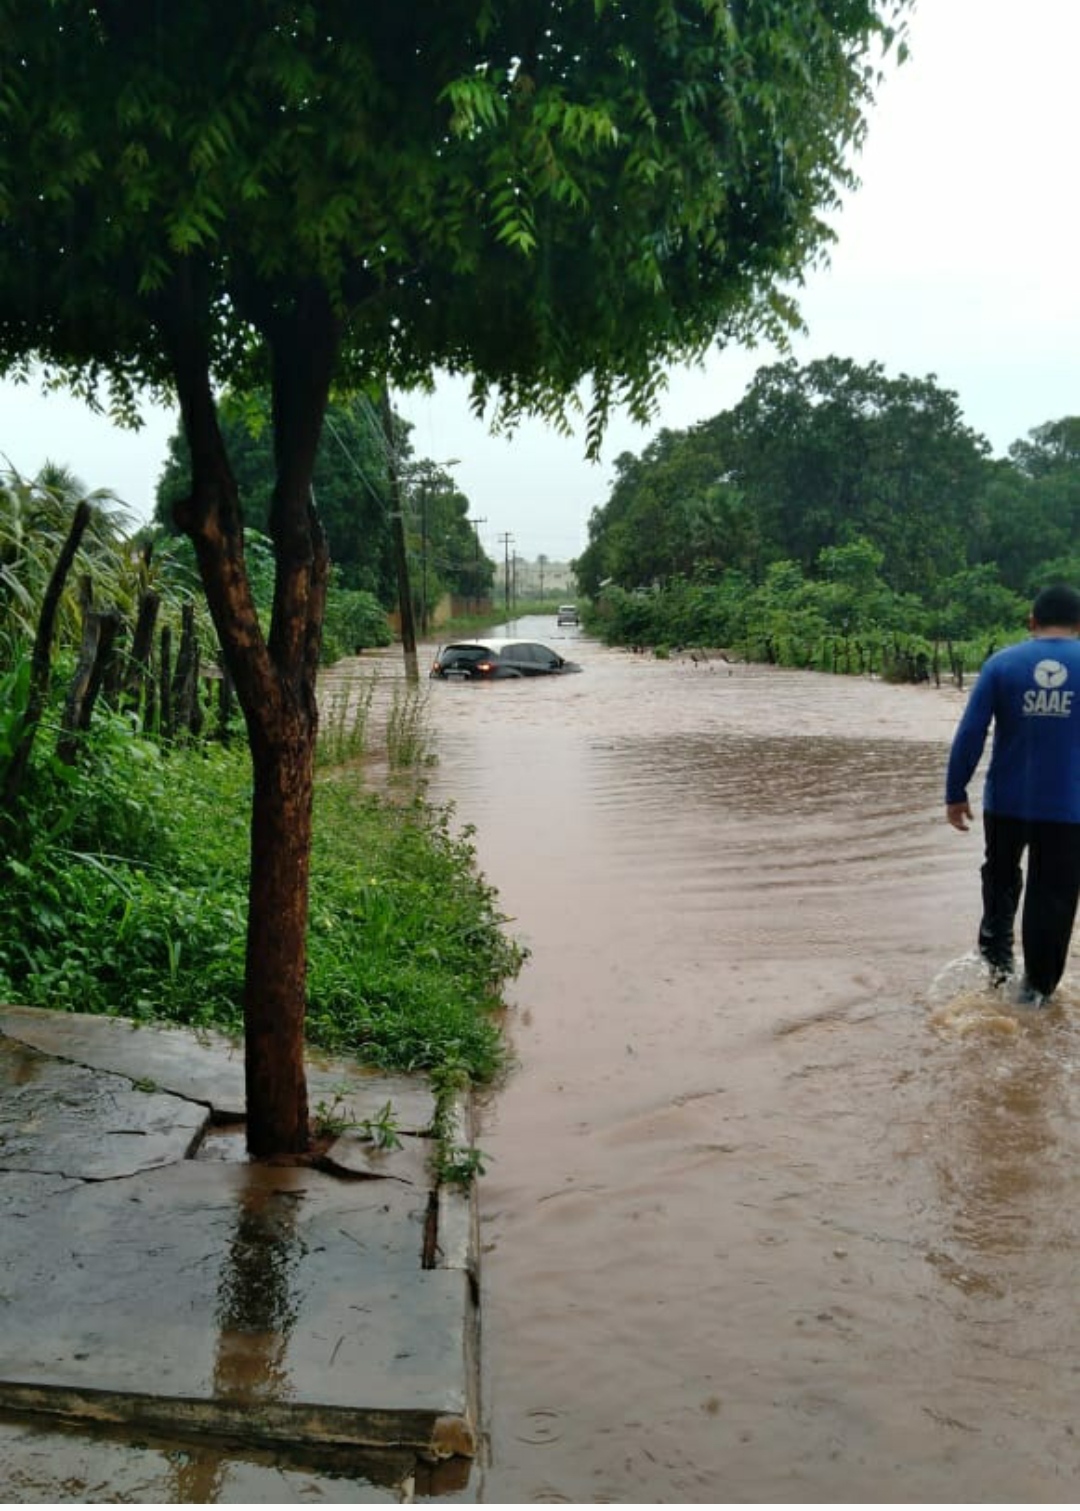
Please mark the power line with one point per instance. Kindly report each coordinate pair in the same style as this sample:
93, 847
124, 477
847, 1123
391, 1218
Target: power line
357, 467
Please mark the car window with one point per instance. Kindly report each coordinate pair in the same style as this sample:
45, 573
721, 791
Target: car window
520, 654
463, 655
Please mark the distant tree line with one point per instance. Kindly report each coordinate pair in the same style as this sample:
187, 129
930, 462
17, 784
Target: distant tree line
835, 515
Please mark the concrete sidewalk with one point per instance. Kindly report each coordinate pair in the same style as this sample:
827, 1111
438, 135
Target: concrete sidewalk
153, 1281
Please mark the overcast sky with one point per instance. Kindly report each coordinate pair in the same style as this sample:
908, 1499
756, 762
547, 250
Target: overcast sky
957, 257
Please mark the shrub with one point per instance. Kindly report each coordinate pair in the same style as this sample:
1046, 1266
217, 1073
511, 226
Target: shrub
355, 621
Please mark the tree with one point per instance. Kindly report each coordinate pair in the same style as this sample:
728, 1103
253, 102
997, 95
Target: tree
310, 195
671, 513
853, 596
833, 451
810, 459
974, 601
1049, 448
1030, 520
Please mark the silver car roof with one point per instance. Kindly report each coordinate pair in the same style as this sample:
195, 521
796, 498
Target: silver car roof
494, 643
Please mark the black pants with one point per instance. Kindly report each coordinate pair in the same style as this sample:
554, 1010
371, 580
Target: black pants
1053, 885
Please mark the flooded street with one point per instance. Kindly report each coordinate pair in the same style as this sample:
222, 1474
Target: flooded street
780, 1204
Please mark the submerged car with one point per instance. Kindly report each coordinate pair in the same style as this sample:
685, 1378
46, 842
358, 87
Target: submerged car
567, 614
465, 660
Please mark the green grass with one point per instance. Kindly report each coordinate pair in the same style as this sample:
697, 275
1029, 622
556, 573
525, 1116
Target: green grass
407, 948
124, 891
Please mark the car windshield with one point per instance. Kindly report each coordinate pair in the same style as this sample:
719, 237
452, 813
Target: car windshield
466, 653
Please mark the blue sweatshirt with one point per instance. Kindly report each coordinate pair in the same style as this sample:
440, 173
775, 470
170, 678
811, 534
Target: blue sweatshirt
1031, 692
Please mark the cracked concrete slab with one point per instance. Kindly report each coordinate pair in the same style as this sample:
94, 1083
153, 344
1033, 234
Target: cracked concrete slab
206, 1066
65, 1119
352, 1154
211, 1298
280, 1302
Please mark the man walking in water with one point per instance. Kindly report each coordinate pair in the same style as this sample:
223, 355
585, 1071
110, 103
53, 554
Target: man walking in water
1031, 693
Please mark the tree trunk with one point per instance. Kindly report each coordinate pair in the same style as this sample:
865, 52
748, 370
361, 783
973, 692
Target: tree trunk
274, 677
275, 985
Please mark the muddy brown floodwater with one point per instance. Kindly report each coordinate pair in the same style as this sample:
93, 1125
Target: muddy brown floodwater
781, 1204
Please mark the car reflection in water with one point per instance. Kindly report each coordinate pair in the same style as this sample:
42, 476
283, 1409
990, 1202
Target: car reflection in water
468, 660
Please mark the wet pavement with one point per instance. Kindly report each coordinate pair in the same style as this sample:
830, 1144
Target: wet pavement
195, 1326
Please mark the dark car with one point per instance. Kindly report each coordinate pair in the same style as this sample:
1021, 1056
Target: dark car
487, 659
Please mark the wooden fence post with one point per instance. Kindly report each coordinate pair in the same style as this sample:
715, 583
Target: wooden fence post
100, 630
140, 682
187, 708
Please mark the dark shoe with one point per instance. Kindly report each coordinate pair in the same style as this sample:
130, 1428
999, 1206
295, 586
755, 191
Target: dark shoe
1026, 996
1000, 970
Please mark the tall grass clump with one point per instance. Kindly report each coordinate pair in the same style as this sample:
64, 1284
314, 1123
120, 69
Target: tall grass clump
408, 741
344, 723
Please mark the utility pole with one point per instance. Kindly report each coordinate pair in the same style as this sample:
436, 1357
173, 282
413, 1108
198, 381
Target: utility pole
408, 628
476, 559
423, 557
506, 539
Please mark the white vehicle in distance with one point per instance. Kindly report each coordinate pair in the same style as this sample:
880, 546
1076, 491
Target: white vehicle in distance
567, 614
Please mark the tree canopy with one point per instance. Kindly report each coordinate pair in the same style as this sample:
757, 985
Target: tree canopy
310, 194
626, 183
809, 460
